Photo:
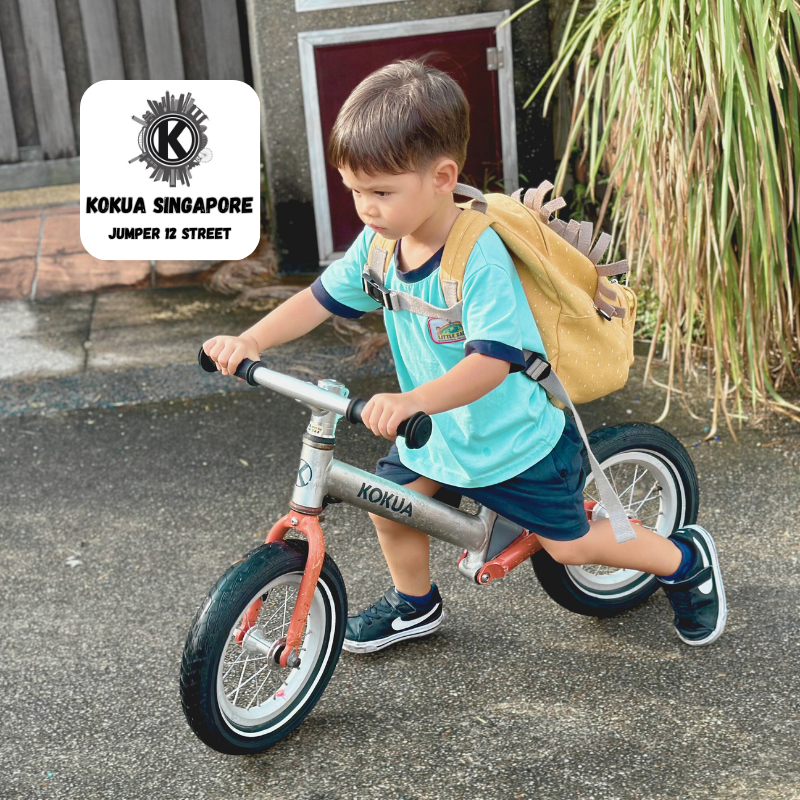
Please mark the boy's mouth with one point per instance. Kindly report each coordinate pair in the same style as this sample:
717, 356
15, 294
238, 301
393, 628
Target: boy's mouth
376, 228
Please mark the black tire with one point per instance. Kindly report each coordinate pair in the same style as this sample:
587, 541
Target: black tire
600, 592
269, 571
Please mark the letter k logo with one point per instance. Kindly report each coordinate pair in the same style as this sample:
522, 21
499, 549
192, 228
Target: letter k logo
168, 144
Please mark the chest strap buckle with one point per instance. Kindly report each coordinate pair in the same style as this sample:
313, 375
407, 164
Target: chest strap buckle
377, 292
537, 367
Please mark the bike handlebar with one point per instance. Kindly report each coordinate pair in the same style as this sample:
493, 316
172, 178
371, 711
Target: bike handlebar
416, 430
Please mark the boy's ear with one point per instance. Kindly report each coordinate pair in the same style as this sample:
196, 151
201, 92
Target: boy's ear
445, 175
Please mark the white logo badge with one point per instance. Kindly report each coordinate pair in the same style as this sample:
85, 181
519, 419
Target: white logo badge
151, 188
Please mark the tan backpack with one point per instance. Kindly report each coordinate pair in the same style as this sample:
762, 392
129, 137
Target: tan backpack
588, 340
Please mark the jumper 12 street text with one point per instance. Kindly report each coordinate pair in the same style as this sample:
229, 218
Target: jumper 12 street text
169, 233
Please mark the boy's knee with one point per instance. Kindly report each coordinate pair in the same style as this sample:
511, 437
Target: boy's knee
572, 551
382, 524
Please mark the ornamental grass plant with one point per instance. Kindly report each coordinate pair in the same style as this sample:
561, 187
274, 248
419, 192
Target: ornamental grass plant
688, 117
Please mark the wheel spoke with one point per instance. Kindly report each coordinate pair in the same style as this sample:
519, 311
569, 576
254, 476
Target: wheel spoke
244, 683
599, 569
248, 659
612, 480
258, 690
647, 489
651, 473
281, 626
236, 661
276, 612
636, 479
631, 485
252, 659
645, 498
239, 686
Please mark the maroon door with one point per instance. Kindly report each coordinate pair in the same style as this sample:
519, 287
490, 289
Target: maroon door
341, 67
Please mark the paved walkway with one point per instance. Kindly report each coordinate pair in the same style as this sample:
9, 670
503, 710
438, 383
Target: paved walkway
117, 348
132, 480
117, 521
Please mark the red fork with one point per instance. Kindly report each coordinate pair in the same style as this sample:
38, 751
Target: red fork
308, 525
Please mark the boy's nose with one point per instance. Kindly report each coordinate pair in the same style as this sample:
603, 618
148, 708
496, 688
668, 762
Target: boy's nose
368, 209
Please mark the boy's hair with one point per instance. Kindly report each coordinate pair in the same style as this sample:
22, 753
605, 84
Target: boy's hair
401, 118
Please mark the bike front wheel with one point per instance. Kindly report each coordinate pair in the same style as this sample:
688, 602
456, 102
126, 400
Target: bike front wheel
656, 481
236, 697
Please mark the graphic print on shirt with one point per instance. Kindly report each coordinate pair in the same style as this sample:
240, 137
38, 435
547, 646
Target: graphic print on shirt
444, 332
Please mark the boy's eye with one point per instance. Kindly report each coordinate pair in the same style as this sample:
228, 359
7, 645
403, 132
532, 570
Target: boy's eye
379, 194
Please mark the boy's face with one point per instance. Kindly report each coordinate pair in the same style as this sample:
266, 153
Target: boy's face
398, 205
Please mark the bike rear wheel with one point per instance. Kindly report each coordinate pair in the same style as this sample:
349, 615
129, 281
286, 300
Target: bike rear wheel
236, 698
657, 483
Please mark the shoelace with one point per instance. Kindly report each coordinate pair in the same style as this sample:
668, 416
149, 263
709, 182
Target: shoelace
686, 611
378, 610
682, 603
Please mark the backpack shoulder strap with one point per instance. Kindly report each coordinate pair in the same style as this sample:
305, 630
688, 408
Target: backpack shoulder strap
373, 282
379, 243
466, 230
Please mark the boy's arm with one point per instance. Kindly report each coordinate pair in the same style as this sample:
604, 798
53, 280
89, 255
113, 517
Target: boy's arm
292, 319
469, 380
337, 291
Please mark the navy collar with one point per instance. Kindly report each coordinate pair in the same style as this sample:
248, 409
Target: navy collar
420, 273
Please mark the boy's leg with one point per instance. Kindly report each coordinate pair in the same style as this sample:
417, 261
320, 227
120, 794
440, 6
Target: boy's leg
407, 550
648, 552
413, 606
686, 564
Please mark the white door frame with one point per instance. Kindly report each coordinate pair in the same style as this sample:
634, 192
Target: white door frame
308, 40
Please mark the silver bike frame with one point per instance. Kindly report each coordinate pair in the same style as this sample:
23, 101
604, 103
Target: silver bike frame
319, 473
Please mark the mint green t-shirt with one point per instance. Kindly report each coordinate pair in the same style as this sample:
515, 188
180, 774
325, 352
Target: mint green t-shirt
502, 433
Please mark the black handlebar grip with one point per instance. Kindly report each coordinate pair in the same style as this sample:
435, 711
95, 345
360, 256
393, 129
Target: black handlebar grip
206, 362
354, 409
244, 370
416, 430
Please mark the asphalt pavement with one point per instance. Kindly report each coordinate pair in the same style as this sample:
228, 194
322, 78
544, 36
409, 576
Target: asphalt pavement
119, 513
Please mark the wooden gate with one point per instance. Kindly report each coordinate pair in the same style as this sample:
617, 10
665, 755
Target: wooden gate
51, 51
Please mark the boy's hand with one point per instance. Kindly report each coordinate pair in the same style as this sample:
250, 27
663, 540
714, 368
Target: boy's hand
384, 412
229, 351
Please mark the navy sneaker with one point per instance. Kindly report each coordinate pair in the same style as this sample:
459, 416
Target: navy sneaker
698, 600
391, 620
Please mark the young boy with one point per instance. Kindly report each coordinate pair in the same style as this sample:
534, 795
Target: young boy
399, 143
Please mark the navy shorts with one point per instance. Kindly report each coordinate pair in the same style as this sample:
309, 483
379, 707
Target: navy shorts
546, 498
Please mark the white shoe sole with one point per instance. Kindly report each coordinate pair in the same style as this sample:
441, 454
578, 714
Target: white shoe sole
413, 633
723, 608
